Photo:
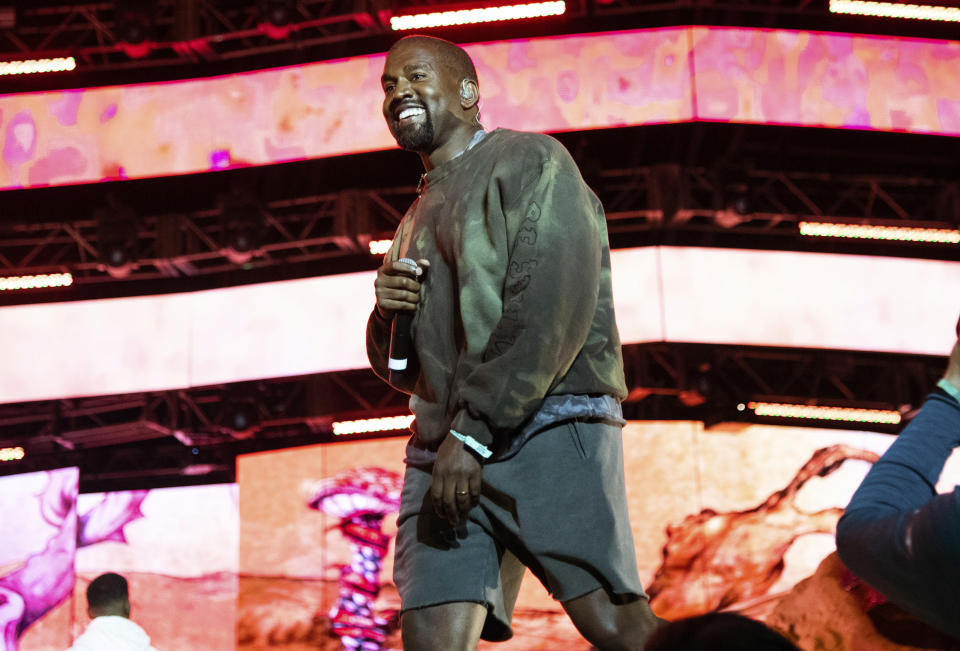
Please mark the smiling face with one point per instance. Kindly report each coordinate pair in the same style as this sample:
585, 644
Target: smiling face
422, 100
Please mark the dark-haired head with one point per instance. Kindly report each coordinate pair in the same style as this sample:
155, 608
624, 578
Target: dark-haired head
430, 97
108, 595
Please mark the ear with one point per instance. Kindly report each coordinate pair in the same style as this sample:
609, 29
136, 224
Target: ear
469, 94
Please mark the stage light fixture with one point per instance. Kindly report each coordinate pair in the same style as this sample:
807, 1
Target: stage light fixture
380, 247
241, 223
368, 425
896, 10
117, 238
816, 412
878, 232
134, 25
12, 454
33, 66
477, 15
277, 18
37, 281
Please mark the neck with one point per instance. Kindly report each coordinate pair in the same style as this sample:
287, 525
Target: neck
453, 147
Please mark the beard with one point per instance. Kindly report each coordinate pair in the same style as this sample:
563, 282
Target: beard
415, 137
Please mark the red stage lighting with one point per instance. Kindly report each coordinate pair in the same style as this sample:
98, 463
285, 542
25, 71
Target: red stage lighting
470, 16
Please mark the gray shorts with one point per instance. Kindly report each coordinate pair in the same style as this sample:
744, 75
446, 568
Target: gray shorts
557, 507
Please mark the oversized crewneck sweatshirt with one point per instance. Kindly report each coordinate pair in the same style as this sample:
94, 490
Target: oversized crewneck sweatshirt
897, 533
516, 305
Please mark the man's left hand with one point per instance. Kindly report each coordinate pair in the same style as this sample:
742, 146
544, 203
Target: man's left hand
456, 480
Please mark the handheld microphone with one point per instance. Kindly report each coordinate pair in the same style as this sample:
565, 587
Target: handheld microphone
400, 330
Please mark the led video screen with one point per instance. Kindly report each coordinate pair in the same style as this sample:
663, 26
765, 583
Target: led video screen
758, 540
551, 84
177, 548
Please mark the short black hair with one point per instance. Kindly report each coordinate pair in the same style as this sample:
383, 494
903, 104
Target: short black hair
451, 55
107, 590
717, 632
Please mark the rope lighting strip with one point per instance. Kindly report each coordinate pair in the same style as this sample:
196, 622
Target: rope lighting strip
12, 454
32, 66
479, 15
812, 412
874, 232
895, 10
379, 247
40, 281
367, 425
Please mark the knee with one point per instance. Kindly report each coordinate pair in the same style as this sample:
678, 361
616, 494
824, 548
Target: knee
619, 635
449, 627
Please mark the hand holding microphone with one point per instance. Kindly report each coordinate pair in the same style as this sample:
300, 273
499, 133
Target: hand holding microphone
398, 296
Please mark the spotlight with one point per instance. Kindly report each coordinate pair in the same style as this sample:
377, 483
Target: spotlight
818, 412
37, 281
277, 18
241, 418
12, 454
896, 10
470, 16
33, 66
117, 238
880, 232
134, 24
241, 222
379, 247
368, 425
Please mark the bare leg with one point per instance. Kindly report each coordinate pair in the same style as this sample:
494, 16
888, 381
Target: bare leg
447, 627
610, 626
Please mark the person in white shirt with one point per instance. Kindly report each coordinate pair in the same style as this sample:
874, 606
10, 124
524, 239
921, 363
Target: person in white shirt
110, 629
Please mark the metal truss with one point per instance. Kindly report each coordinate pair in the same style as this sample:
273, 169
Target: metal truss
194, 435
758, 201
191, 243
176, 32
196, 34
662, 203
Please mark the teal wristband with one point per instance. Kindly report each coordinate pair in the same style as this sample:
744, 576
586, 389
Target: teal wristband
949, 388
473, 444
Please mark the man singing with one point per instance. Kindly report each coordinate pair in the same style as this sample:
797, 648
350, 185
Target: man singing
516, 458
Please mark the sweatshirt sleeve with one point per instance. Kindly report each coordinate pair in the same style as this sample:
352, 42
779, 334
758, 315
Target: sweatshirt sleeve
897, 533
528, 290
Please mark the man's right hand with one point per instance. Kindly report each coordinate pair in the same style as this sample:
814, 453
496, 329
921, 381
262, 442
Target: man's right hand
396, 290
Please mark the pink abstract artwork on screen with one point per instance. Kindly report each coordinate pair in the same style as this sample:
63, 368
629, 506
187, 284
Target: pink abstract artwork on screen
553, 84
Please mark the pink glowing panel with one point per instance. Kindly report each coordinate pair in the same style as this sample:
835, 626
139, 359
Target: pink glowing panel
92, 348
637, 290
565, 83
293, 327
548, 84
824, 79
777, 298
328, 109
316, 325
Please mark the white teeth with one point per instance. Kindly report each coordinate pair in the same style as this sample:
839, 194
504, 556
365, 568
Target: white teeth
409, 113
